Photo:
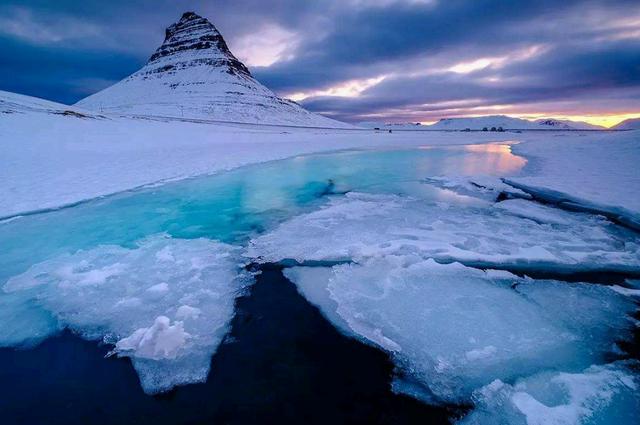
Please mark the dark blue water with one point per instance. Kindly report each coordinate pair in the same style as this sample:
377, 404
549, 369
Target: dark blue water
283, 363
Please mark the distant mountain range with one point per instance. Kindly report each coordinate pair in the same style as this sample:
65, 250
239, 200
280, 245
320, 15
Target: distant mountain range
193, 74
491, 121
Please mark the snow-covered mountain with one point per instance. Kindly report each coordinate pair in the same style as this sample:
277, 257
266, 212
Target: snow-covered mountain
630, 124
193, 74
398, 126
478, 123
567, 124
509, 123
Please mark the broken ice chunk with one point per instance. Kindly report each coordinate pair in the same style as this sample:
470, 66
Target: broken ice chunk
598, 395
454, 329
159, 341
126, 297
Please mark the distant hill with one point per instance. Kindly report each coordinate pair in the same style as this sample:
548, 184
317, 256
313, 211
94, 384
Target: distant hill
630, 124
568, 124
14, 103
478, 123
510, 123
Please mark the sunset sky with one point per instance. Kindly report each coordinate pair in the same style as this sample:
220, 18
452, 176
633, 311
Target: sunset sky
355, 60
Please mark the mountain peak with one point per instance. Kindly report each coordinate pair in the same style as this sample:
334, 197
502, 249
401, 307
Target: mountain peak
190, 15
193, 74
195, 34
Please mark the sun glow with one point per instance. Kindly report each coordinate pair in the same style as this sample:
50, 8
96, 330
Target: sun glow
607, 120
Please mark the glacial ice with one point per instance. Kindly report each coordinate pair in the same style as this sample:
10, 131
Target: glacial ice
166, 303
598, 395
514, 234
454, 329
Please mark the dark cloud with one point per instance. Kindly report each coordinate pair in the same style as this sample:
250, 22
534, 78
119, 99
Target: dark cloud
588, 53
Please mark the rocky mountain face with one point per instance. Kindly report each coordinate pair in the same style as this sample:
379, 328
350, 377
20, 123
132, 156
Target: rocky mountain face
190, 34
193, 74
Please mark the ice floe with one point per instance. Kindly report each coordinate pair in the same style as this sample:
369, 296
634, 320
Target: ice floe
455, 329
166, 303
515, 234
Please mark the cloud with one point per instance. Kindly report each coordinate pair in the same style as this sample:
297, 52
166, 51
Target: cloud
351, 59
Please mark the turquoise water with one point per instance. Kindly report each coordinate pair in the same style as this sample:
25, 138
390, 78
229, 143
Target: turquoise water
236, 205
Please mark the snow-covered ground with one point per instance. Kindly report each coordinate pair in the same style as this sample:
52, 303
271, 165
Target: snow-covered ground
48, 159
596, 171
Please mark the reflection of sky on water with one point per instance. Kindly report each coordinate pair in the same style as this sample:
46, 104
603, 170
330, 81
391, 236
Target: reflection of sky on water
496, 159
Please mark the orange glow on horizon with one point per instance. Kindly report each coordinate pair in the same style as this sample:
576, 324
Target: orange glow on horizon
606, 121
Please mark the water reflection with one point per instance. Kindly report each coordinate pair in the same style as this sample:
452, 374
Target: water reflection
494, 157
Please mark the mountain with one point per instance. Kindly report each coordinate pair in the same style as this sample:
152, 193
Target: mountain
391, 126
630, 124
567, 124
509, 123
193, 74
478, 123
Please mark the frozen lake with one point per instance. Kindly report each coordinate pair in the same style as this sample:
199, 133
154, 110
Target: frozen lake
182, 287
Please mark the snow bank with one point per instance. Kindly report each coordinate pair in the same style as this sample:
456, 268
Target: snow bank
166, 303
597, 173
